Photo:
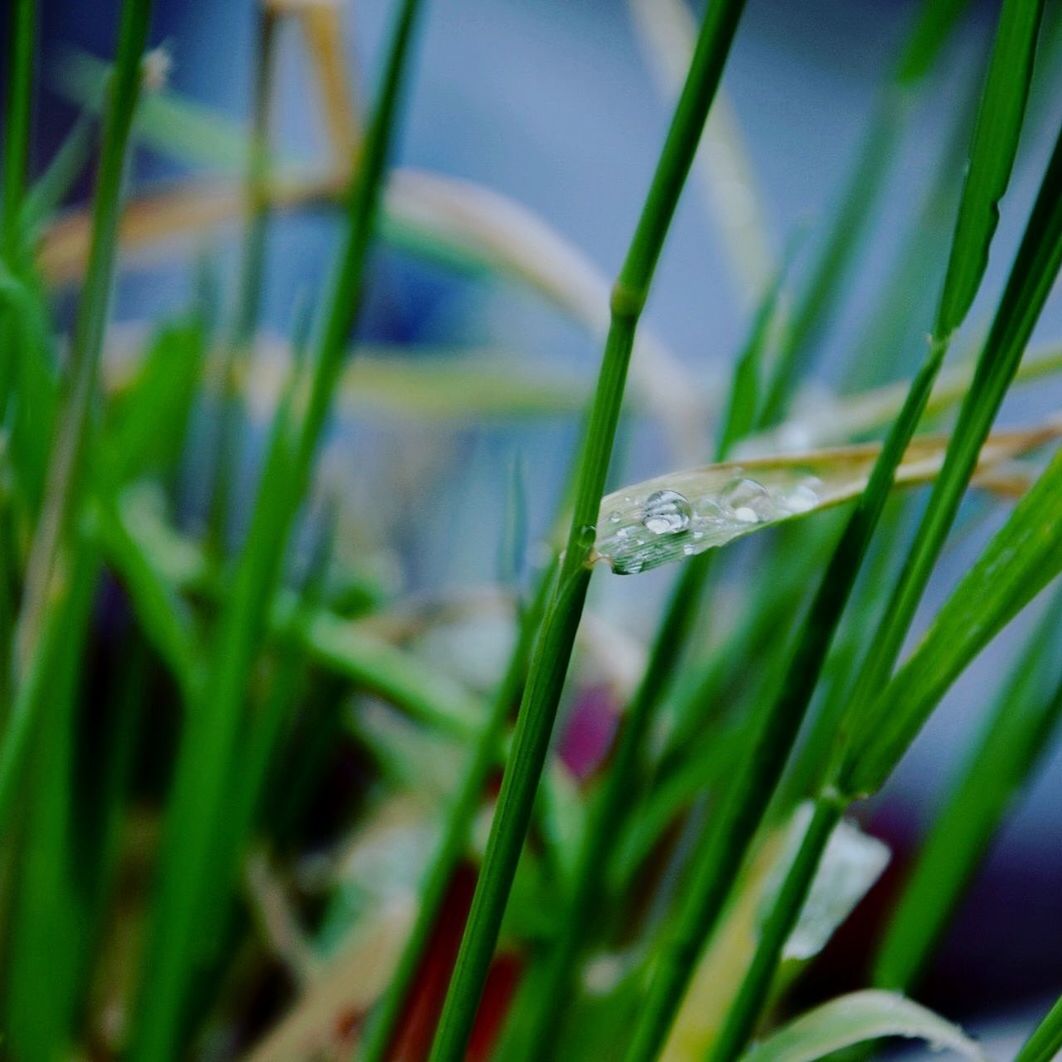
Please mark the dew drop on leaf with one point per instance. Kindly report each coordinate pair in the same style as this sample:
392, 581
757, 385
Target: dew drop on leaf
666, 512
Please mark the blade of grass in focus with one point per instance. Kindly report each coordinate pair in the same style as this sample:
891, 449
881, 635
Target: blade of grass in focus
1012, 742
549, 662
457, 827
207, 743
746, 802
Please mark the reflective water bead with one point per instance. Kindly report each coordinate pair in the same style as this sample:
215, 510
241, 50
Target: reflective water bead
749, 500
666, 512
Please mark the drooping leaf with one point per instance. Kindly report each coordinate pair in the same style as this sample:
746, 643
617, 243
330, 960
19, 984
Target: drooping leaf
858, 1018
685, 513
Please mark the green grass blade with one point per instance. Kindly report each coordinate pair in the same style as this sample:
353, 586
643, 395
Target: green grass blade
549, 662
65, 476
756, 777
48, 923
22, 39
47, 193
1025, 716
207, 746
1046, 1039
856, 1019
1032, 276
1022, 558
456, 829
995, 143
785, 910
66, 472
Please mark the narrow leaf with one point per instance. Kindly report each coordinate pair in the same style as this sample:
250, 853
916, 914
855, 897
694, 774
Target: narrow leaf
685, 513
856, 1019
1021, 560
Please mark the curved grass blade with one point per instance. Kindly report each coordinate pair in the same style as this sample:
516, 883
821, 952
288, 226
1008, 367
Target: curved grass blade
457, 221
1026, 714
856, 1019
1023, 558
683, 514
719, 858
1046, 1039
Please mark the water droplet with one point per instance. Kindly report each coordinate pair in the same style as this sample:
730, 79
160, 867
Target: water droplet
749, 500
666, 511
801, 499
615, 516
689, 549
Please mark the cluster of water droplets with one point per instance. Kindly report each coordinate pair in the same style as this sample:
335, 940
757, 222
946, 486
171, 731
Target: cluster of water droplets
642, 531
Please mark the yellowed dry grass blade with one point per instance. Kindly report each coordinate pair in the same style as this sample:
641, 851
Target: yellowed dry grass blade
681, 514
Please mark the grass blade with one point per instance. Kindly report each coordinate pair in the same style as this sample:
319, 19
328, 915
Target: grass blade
745, 803
1016, 735
683, 514
1046, 1039
859, 1018
206, 751
549, 662
1021, 560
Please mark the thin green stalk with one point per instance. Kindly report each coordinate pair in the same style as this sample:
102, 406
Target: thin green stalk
252, 269
209, 740
619, 792
1030, 282
746, 801
785, 910
1046, 1039
549, 663
456, 830
1010, 747
22, 30
66, 474
621, 788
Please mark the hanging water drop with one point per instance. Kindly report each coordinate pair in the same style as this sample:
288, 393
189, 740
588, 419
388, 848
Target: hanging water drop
801, 499
749, 501
666, 512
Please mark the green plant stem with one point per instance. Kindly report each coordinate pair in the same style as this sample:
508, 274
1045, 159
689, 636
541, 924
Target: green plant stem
456, 829
22, 30
252, 270
619, 792
1046, 1039
746, 799
1031, 279
549, 663
65, 473
626, 777
208, 744
745, 1010
745, 803
1008, 751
